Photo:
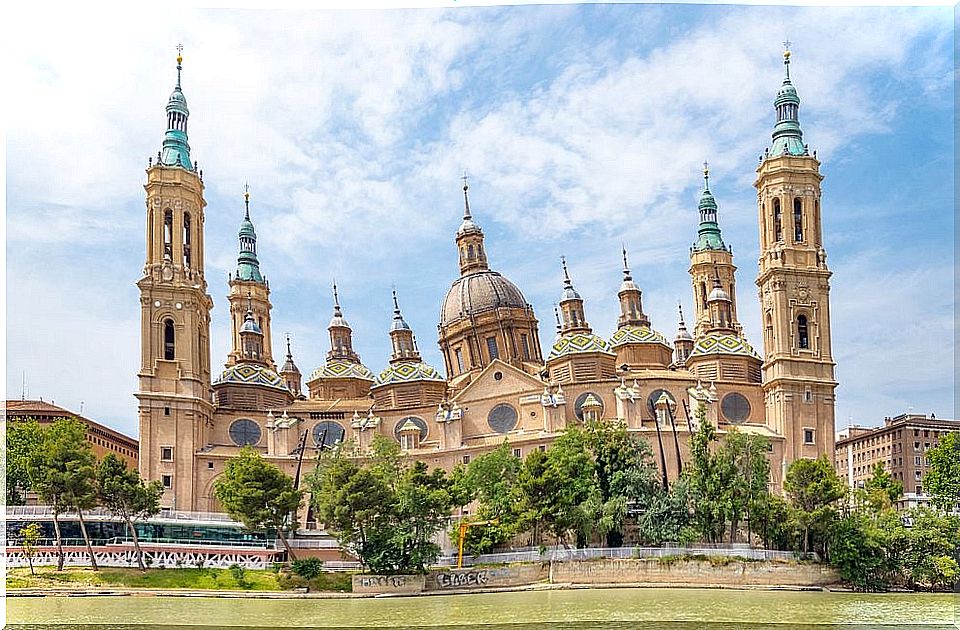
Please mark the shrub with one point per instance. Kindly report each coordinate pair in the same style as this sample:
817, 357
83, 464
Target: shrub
308, 567
239, 575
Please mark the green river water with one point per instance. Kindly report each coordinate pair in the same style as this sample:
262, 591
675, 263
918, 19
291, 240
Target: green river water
611, 609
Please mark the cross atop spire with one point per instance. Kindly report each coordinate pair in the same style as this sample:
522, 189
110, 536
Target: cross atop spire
706, 176
179, 63
786, 59
289, 353
566, 275
246, 200
626, 267
466, 200
336, 298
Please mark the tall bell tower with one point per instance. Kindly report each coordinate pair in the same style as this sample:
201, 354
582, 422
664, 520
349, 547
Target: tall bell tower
174, 391
794, 287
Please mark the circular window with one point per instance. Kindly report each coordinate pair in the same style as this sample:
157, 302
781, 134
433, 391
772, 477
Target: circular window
498, 376
417, 421
654, 397
578, 405
329, 433
245, 432
735, 407
502, 418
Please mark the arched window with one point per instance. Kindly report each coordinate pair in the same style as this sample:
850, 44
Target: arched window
469, 252
803, 335
777, 221
186, 240
703, 294
169, 337
797, 220
816, 221
168, 234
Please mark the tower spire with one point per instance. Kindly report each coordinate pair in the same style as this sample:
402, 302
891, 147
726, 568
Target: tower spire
787, 135
336, 301
176, 150
708, 232
401, 335
626, 268
248, 265
466, 199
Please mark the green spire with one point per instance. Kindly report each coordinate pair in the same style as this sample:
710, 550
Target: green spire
176, 150
248, 267
787, 136
709, 230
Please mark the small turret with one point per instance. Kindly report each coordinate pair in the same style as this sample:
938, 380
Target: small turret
683, 343
248, 266
251, 337
401, 336
571, 305
787, 136
290, 373
341, 335
631, 304
176, 149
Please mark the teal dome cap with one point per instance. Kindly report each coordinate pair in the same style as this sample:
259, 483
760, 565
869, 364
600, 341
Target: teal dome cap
176, 149
248, 266
787, 135
708, 233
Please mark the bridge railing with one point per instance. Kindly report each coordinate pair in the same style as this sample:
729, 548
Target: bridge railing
554, 554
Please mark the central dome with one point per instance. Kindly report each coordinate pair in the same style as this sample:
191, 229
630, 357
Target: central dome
478, 292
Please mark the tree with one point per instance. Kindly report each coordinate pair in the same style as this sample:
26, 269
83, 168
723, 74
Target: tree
532, 495
571, 491
385, 512
123, 492
746, 470
707, 477
932, 542
625, 475
30, 535
23, 440
258, 494
881, 490
64, 476
813, 487
867, 549
942, 481
490, 480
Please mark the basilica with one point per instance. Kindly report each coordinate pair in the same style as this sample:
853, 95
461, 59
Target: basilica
497, 381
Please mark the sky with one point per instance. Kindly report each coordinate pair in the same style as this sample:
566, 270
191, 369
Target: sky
581, 127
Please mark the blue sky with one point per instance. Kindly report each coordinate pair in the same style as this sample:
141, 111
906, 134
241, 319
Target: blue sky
582, 126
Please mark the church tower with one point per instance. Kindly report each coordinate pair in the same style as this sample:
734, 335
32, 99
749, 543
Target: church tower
174, 394
249, 289
711, 260
798, 370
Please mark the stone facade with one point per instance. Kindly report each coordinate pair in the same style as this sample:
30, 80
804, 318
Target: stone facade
499, 382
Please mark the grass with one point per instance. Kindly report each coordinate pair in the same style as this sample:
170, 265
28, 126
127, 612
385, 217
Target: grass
198, 579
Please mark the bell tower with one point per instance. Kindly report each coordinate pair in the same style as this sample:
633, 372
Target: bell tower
174, 394
794, 287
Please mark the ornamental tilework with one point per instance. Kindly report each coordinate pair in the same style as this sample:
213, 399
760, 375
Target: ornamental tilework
342, 369
723, 344
408, 372
248, 374
636, 334
578, 343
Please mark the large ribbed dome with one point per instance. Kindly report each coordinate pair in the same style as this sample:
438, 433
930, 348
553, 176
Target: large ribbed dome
478, 292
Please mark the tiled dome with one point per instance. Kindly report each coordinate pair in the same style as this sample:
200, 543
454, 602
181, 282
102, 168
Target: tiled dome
336, 368
578, 343
408, 373
478, 292
717, 343
250, 374
636, 334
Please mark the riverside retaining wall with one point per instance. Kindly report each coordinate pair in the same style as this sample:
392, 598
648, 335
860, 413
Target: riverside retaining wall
486, 577
690, 571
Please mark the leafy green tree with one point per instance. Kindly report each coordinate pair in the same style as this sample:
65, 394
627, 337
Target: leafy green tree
65, 477
533, 496
708, 477
30, 536
745, 471
813, 489
625, 475
490, 480
881, 490
942, 481
354, 503
933, 541
122, 491
258, 494
777, 526
665, 516
23, 440
867, 549
571, 487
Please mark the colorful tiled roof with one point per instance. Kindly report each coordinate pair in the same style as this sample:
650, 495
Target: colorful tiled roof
336, 368
578, 343
716, 343
250, 374
636, 334
408, 373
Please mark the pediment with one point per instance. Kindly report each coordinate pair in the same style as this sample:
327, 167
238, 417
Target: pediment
512, 381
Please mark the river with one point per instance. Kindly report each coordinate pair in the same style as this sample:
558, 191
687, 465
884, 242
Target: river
579, 609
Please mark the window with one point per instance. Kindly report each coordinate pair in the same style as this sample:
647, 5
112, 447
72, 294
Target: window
466, 459
517, 452
166, 453
797, 220
916, 460
492, 348
186, 240
169, 338
167, 481
168, 235
916, 475
470, 252
327, 433
166, 411
210, 465
803, 338
919, 489
777, 221
926, 433
502, 418
807, 395
926, 445
245, 432
525, 345
916, 446
459, 354
542, 448
808, 436
735, 407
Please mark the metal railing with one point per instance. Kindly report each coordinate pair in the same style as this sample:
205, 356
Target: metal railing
560, 554
155, 542
175, 515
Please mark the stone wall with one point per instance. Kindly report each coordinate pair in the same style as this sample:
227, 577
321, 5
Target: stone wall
679, 571
486, 577
394, 584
